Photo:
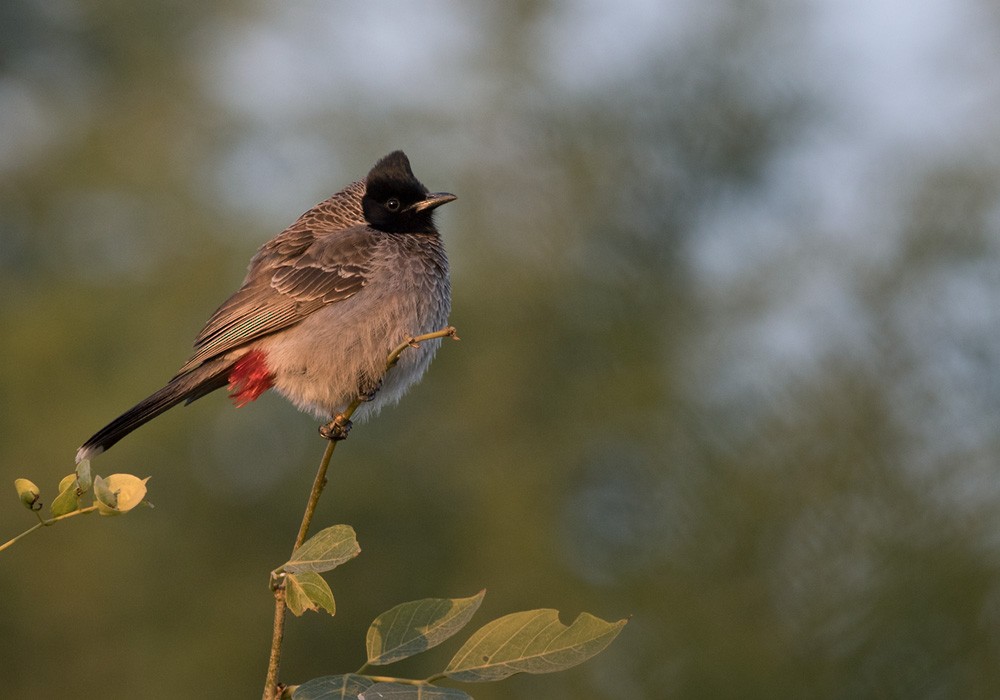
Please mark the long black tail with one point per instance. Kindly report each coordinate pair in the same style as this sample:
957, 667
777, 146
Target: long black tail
189, 386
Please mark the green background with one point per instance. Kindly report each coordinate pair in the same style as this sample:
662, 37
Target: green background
726, 277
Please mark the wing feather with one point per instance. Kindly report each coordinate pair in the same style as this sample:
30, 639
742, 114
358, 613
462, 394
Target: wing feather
290, 277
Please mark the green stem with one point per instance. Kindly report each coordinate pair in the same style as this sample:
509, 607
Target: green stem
46, 523
11, 541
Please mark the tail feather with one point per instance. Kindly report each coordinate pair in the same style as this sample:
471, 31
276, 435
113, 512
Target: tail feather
186, 387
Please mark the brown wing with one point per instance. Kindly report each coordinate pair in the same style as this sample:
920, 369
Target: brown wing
299, 271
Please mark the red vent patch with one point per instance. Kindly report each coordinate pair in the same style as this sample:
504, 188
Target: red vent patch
249, 378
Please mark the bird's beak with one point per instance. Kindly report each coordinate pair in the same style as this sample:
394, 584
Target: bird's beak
433, 200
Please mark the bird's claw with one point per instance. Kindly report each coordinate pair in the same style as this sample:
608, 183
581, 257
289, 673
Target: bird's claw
337, 429
368, 394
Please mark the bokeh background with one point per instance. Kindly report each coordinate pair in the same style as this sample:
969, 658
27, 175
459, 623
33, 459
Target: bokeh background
727, 276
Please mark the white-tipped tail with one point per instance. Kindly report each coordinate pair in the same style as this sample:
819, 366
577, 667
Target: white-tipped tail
185, 387
88, 453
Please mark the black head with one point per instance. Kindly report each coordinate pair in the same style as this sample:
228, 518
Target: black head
395, 201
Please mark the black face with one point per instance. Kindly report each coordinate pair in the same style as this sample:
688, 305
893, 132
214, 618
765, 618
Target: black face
395, 201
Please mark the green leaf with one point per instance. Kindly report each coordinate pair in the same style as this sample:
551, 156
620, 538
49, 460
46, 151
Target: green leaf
411, 628
103, 494
65, 482
119, 493
407, 691
68, 500
308, 591
533, 641
325, 550
84, 480
28, 493
344, 687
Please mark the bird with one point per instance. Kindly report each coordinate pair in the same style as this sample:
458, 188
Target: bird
322, 305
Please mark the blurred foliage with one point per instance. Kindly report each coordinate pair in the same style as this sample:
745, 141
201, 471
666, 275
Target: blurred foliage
730, 358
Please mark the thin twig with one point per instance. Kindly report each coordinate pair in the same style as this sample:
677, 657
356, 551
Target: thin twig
272, 691
318, 484
271, 685
12, 540
45, 523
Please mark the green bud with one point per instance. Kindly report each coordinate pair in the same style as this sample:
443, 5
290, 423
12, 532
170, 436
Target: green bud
28, 493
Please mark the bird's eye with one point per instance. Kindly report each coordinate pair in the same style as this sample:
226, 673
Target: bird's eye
392, 204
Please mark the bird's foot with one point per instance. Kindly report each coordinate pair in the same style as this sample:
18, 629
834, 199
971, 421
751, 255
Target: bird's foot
337, 429
367, 392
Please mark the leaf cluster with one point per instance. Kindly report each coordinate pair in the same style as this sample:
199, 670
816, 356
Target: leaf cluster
531, 641
116, 494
